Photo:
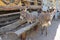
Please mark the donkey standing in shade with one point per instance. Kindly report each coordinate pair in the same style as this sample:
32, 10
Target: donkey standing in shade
44, 21
28, 16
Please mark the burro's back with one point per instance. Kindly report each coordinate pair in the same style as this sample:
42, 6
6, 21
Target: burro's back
44, 17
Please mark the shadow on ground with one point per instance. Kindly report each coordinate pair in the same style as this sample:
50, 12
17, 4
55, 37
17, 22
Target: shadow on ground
51, 32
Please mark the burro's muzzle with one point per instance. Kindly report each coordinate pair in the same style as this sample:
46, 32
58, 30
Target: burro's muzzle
49, 22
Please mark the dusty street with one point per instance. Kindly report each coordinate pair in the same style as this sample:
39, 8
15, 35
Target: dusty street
53, 32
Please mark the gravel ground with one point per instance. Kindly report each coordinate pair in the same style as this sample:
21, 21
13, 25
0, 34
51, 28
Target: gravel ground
53, 32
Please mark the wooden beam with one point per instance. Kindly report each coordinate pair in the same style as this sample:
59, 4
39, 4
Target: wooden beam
9, 14
22, 32
34, 7
12, 26
5, 8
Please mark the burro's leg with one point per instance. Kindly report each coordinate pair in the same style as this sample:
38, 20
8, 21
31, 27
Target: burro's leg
46, 31
42, 30
23, 36
36, 28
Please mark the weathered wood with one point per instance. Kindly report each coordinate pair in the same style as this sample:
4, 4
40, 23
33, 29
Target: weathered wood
19, 33
10, 36
22, 30
34, 7
6, 18
9, 18
10, 14
12, 26
5, 8
4, 23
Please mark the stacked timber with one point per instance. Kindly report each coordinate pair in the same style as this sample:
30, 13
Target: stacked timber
9, 18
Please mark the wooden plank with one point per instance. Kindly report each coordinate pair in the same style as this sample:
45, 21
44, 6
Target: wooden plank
23, 30
5, 8
8, 22
9, 14
9, 18
12, 26
34, 7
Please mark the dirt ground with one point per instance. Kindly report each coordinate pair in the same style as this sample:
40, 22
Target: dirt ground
53, 32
